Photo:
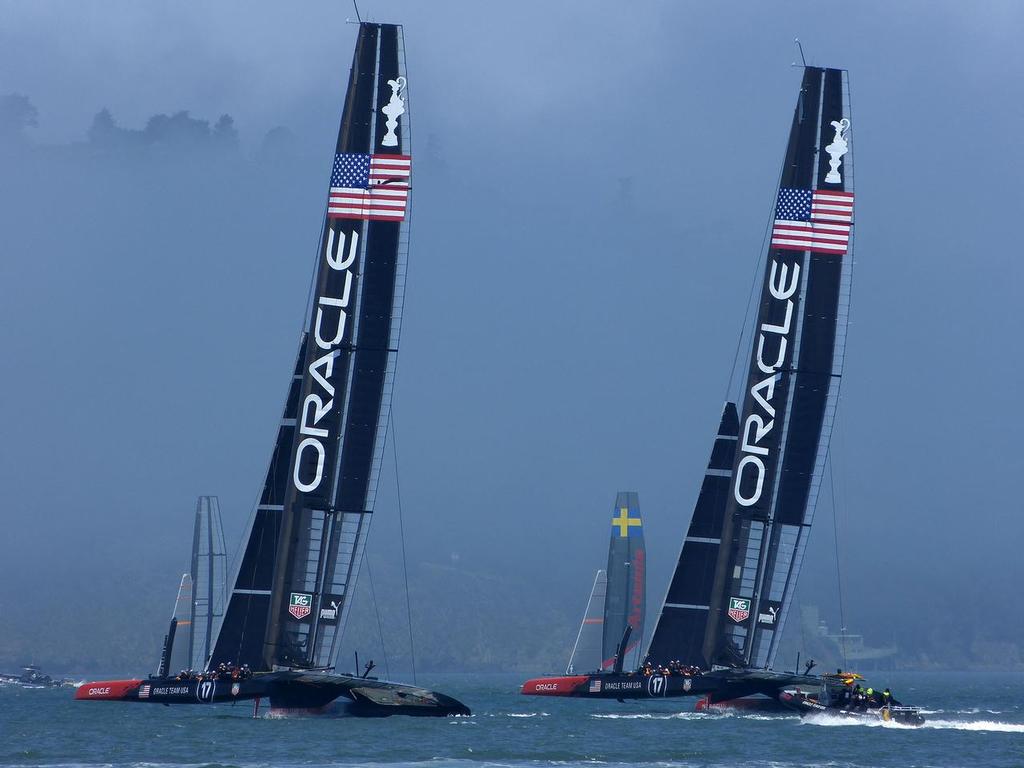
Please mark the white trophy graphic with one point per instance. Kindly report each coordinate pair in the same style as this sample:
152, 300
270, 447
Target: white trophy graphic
393, 109
836, 150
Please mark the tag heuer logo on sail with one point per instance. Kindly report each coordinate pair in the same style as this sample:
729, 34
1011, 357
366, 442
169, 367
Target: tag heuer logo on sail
739, 609
300, 605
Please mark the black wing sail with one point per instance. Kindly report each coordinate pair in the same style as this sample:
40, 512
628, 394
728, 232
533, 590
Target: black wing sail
792, 383
679, 633
306, 542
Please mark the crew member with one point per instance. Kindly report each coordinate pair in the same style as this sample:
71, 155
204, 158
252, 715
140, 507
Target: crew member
857, 700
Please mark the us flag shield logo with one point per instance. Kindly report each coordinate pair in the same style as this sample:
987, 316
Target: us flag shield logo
739, 609
300, 605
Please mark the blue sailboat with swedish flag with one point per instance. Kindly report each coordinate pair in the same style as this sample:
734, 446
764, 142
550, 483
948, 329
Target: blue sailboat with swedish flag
625, 601
611, 632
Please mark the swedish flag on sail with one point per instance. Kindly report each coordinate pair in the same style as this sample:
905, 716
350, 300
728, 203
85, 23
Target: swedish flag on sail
626, 524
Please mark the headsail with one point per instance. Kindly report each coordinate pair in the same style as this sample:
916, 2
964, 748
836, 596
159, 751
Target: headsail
625, 603
292, 589
792, 384
208, 573
586, 653
682, 624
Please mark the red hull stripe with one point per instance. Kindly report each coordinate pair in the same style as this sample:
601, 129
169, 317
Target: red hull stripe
553, 686
108, 690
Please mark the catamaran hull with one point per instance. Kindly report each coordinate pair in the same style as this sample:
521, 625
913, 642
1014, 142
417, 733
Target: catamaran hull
611, 685
716, 688
287, 693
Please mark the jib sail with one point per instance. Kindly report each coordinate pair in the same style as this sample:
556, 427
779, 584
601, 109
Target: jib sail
293, 584
586, 653
683, 622
625, 602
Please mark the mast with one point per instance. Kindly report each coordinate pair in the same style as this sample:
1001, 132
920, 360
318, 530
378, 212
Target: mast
293, 586
625, 602
792, 383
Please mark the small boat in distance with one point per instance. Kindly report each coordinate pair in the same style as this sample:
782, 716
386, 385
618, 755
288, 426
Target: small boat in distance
32, 677
292, 587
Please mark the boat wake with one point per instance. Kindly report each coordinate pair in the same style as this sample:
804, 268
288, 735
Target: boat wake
990, 726
976, 725
655, 716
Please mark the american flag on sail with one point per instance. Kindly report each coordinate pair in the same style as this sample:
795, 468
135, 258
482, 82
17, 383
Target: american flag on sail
374, 187
813, 220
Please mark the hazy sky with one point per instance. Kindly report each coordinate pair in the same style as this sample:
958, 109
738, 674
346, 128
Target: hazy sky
592, 188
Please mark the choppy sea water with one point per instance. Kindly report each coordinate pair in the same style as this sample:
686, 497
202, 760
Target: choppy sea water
972, 720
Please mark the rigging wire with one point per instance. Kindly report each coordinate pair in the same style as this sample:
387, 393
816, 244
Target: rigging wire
401, 530
746, 316
762, 256
839, 570
356, 6
376, 610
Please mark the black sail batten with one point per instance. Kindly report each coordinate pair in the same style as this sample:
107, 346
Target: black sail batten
679, 633
626, 592
791, 388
